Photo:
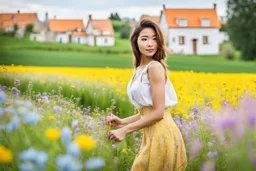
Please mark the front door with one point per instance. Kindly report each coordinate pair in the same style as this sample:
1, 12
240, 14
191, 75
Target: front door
194, 46
69, 38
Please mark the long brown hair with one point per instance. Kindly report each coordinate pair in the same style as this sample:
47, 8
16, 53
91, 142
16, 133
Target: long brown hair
160, 54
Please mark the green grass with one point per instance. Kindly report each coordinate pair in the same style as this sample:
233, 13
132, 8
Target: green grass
29, 53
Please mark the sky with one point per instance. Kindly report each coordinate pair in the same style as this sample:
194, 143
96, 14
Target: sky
101, 9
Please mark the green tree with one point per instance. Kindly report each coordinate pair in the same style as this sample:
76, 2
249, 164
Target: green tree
28, 30
125, 31
241, 26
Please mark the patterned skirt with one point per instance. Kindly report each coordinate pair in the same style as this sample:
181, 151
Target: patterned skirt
162, 147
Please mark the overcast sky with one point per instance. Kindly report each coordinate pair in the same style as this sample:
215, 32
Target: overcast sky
101, 9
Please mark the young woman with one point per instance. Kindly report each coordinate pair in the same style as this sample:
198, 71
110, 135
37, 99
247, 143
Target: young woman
151, 91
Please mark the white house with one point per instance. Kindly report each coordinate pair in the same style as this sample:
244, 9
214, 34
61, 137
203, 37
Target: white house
100, 32
191, 31
67, 31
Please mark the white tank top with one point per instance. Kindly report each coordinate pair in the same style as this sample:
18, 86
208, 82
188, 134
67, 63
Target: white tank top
139, 92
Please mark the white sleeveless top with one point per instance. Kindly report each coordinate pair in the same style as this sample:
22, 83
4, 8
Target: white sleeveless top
139, 92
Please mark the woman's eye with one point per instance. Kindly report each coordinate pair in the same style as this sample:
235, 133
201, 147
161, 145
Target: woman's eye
154, 39
143, 39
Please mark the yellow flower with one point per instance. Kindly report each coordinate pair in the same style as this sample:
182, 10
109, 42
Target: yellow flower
53, 134
6, 104
72, 105
6, 155
72, 86
124, 151
8, 117
51, 118
12, 65
185, 116
85, 142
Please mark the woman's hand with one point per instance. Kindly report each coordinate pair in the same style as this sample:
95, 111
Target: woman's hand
114, 121
118, 134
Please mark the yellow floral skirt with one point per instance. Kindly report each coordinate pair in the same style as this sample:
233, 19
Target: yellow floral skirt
162, 147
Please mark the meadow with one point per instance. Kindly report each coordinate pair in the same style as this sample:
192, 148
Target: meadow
54, 99
30, 53
53, 115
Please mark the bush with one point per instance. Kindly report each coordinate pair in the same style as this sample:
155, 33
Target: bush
125, 31
228, 51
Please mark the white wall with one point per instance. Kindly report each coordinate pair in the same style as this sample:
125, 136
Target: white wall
83, 39
89, 29
194, 33
105, 41
90, 40
164, 27
63, 36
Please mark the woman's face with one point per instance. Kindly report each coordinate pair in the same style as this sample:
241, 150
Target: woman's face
147, 43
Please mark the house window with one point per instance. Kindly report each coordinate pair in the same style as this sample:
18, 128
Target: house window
182, 22
106, 40
205, 22
181, 40
106, 32
205, 39
173, 39
60, 40
78, 29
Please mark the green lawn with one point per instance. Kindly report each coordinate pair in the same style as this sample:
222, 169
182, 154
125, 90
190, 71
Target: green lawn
29, 53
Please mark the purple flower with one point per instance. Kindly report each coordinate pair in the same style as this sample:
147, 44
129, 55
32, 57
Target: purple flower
196, 110
75, 123
90, 127
195, 147
57, 108
3, 88
17, 82
113, 145
208, 166
15, 90
254, 161
213, 154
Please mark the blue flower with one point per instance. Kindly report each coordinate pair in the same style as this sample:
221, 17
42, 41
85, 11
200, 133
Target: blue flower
31, 118
67, 163
32, 159
3, 97
13, 124
73, 149
94, 163
66, 135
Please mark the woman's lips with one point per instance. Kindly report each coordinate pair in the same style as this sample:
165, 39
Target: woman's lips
150, 50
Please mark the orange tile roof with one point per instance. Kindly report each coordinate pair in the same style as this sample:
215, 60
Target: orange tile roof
22, 19
156, 19
103, 25
193, 17
66, 25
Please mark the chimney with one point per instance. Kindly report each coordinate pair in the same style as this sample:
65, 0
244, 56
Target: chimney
163, 6
90, 17
215, 6
46, 16
18, 11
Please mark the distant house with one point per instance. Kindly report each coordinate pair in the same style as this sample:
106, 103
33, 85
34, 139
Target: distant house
67, 31
9, 20
100, 32
156, 19
191, 31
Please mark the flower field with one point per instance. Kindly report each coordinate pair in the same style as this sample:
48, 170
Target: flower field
54, 119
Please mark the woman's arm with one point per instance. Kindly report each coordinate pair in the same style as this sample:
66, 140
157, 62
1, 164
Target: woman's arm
157, 84
131, 119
